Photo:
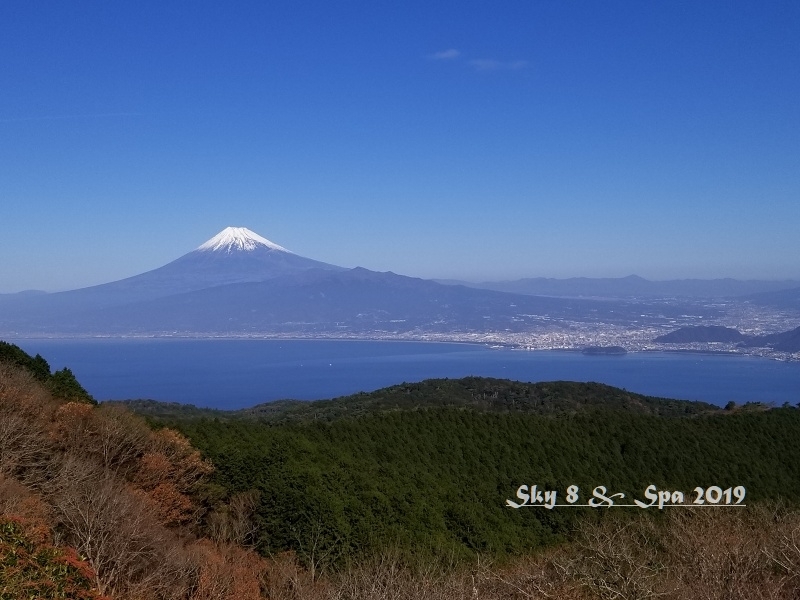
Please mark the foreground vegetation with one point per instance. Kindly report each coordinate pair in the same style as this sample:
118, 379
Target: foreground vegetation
61, 384
426, 468
389, 500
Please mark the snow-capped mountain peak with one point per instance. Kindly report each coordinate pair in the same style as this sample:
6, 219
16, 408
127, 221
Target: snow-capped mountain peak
238, 238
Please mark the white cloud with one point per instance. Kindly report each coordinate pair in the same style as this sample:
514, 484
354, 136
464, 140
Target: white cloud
489, 64
480, 64
449, 54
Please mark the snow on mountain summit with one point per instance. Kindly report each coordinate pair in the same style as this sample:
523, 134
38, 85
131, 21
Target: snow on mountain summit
238, 238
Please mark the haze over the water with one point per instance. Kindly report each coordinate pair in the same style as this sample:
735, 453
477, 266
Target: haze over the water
473, 141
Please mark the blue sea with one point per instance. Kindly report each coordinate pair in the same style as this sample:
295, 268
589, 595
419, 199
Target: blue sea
230, 374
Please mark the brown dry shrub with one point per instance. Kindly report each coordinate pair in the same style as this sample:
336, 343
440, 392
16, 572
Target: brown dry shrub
70, 429
120, 437
227, 572
618, 560
27, 508
156, 477
25, 408
724, 553
99, 516
173, 507
188, 466
785, 549
286, 579
99, 479
111, 435
387, 577
234, 522
542, 575
168, 474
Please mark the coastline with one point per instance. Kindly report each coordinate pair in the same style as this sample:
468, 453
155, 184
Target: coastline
490, 339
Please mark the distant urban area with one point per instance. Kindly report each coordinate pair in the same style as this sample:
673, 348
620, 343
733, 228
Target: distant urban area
553, 333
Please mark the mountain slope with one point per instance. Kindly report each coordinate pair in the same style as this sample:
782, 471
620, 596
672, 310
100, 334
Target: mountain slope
711, 333
313, 301
479, 394
785, 341
235, 255
422, 469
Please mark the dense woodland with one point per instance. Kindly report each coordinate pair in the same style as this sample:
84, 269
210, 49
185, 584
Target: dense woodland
434, 480
395, 494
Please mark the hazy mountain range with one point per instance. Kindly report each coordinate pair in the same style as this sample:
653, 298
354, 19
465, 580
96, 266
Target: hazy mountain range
634, 286
241, 283
786, 341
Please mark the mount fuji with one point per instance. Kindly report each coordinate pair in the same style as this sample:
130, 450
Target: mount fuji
239, 283
234, 255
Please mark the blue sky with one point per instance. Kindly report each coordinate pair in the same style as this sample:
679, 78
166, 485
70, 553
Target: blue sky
475, 140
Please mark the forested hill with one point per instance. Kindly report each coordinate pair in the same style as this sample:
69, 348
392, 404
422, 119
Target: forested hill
426, 468
476, 393
437, 480
61, 384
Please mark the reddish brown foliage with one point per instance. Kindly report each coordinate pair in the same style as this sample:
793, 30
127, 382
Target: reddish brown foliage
31, 568
168, 473
227, 572
25, 408
174, 508
27, 508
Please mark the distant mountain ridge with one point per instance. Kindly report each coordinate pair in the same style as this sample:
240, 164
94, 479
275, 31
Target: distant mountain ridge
786, 341
479, 394
315, 301
711, 333
631, 286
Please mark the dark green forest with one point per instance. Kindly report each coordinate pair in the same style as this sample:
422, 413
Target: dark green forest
62, 383
425, 469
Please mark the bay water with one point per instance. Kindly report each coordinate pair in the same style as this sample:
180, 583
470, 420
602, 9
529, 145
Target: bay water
230, 374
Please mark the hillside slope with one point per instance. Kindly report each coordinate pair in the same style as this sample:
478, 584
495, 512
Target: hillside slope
394, 495
428, 467
98, 483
